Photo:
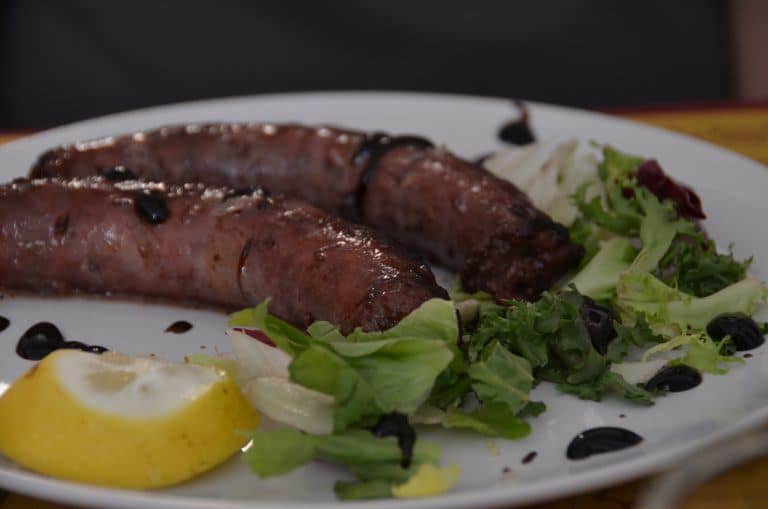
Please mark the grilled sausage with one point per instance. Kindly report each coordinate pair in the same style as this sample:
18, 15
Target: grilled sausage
453, 211
210, 245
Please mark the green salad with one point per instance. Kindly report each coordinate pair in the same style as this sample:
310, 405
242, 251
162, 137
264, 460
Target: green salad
652, 292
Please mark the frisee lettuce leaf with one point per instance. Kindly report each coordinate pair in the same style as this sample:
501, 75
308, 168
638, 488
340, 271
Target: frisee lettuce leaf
658, 229
665, 306
701, 352
695, 267
613, 211
599, 277
617, 165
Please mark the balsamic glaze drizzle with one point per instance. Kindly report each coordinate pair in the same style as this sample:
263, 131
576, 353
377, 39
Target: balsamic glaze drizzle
119, 174
44, 338
529, 457
4, 323
601, 440
397, 425
517, 131
370, 151
151, 207
179, 327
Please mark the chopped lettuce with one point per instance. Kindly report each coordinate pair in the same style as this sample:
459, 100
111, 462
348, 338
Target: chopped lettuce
599, 277
373, 378
552, 336
701, 352
588, 236
617, 165
277, 452
695, 267
287, 337
640, 336
668, 309
493, 419
613, 211
374, 461
659, 226
658, 229
262, 372
367, 374
502, 377
609, 382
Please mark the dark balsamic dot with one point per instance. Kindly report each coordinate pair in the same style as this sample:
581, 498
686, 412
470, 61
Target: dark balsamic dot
529, 457
44, 338
39, 340
674, 379
4, 323
747, 355
601, 440
397, 425
118, 174
506, 470
744, 332
621, 416
179, 327
151, 207
517, 131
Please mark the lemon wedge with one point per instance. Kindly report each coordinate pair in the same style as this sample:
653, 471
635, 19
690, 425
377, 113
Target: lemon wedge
115, 420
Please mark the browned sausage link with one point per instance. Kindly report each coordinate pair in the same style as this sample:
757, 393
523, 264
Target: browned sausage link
448, 209
193, 243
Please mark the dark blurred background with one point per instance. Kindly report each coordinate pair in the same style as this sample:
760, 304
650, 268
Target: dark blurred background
67, 60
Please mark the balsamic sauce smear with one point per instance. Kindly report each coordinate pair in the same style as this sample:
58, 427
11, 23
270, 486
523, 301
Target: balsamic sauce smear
179, 327
44, 338
601, 440
529, 457
674, 379
4, 323
518, 131
371, 150
397, 425
151, 207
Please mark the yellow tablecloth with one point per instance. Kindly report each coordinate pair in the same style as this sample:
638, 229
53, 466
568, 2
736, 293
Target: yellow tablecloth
744, 130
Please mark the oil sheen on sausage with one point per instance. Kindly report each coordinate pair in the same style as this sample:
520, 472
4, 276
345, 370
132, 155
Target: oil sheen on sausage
450, 210
209, 245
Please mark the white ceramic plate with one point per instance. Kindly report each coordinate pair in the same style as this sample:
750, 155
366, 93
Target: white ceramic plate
731, 187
